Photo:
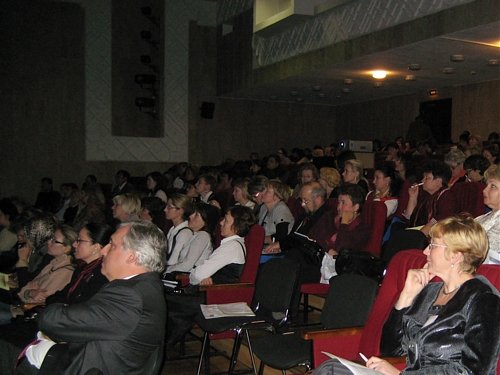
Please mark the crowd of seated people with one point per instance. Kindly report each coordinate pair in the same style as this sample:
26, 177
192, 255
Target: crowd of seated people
298, 198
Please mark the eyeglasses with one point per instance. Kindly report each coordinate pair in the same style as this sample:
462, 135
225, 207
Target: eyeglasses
79, 240
56, 241
433, 245
305, 201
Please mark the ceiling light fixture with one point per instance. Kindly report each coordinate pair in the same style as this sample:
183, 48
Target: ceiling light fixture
348, 81
433, 92
379, 74
457, 58
493, 62
410, 77
448, 70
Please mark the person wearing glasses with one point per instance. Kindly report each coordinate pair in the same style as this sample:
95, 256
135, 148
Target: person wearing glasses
450, 326
53, 277
85, 282
178, 209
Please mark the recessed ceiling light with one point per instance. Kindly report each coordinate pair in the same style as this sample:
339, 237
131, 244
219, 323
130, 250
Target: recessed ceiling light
321, 95
414, 67
473, 72
448, 70
379, 74
493, 62
433, 92
410, 77
457, 58
348, 81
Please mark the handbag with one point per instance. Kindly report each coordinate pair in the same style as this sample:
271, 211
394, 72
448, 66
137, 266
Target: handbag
313, 253
359, 263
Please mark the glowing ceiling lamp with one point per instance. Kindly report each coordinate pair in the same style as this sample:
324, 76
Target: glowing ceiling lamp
379, 74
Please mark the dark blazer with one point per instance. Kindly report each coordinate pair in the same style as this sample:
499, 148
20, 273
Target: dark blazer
464, 339
120, 330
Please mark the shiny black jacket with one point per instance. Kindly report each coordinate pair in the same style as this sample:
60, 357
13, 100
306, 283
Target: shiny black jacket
463, 339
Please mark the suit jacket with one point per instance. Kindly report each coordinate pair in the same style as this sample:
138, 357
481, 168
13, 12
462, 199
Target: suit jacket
120, 330
464, 338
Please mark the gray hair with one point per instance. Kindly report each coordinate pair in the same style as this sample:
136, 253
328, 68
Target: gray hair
149, 244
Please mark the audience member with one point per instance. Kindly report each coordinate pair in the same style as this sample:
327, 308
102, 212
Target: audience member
47, 200
157, 185
224, 265
241, 194
354, 174
387, 185
202, 222
153, 211
330, 179
205, 187
120, 330
491, 220
446, 327
475, 166
126, 207
434, 200
122, 185
178, 209
492, 152
318, 225
276, 218
53, 277
455, 160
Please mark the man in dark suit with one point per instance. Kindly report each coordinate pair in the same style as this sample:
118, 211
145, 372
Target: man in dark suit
122, 185
121, 329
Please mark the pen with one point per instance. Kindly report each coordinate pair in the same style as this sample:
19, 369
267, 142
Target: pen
363, 356
417, 185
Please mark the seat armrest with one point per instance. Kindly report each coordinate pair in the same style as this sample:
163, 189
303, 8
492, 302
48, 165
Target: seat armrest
331, 333
343, 342
207, 288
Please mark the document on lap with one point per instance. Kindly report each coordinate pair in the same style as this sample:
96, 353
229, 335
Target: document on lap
355, 368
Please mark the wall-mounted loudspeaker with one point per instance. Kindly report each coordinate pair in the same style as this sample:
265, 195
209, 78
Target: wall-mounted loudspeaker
207, 110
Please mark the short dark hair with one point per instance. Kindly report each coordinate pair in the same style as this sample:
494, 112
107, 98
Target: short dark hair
439, 169
99, 233
210, 215
47, 180
355, 192
123, 173
209, 179
477, 163
243, 219
257, 185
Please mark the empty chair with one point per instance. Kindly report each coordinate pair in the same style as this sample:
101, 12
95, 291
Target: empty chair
276, 283
347, 304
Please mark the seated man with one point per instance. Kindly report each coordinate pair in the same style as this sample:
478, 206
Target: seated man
120, 330
318, 224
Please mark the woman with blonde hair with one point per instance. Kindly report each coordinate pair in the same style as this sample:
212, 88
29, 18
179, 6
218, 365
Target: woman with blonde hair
450, 326
354, 174
330, 179
178, 209
241, 194
276, 218
126, 207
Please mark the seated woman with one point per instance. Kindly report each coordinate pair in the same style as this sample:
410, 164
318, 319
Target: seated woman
329, 178
448, 327
8, 213
475, 166
126, 207
157, 185
387, 185
351, 232
85, 282
354, 174
241, 194
53, 277
90, 209
202, 222
178, 209
277, 219
153, 210
491, 220
223, 266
